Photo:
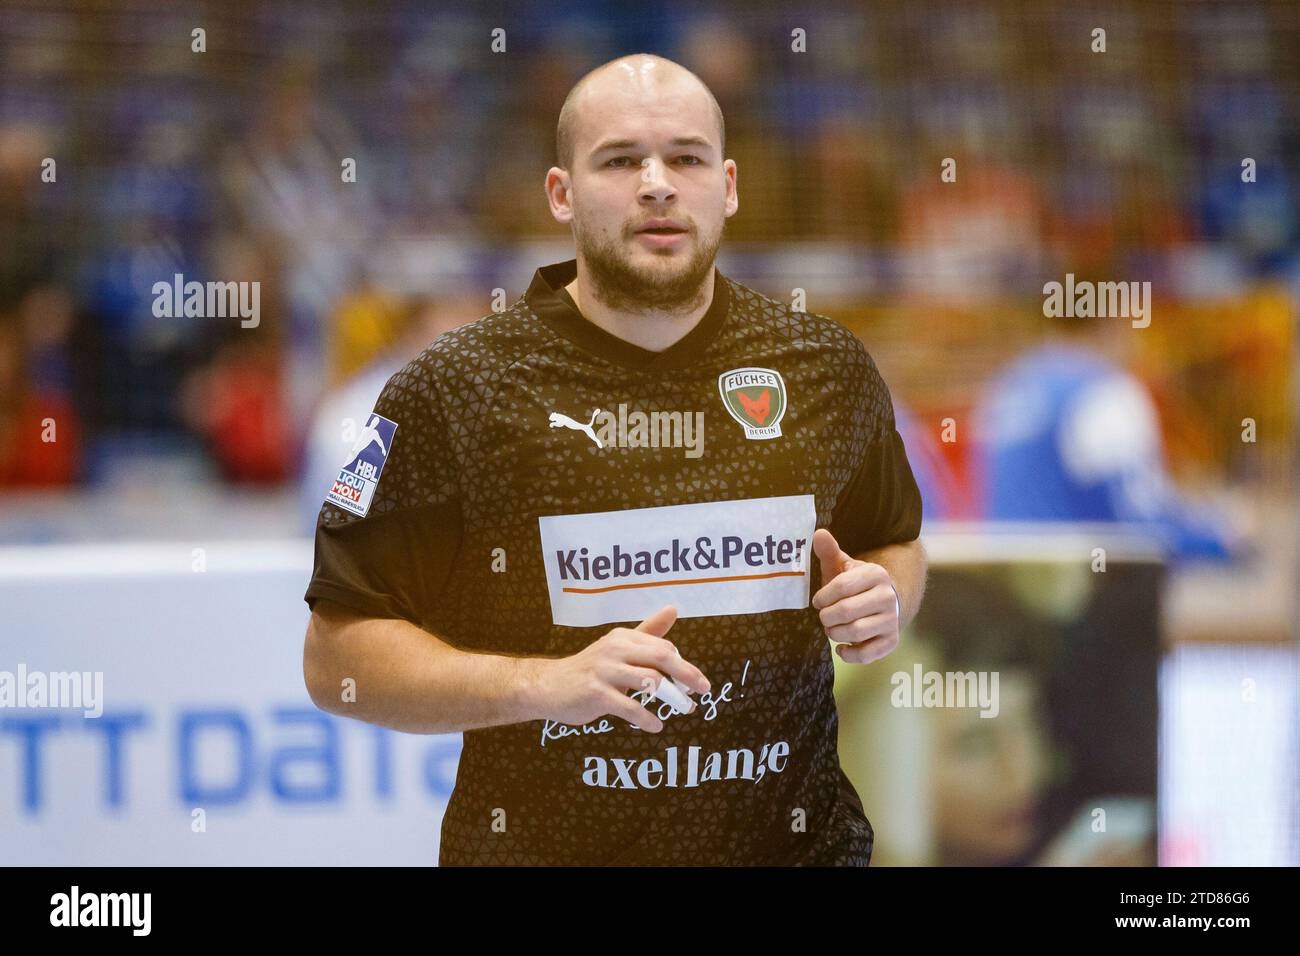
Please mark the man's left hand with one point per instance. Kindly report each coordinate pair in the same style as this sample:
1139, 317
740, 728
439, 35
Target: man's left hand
857, 603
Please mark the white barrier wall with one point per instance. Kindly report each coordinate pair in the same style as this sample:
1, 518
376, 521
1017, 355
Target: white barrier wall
204, 709
206, 720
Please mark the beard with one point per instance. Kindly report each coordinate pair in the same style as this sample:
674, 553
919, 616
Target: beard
622, 286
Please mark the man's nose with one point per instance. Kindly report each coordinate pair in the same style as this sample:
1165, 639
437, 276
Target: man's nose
654, 181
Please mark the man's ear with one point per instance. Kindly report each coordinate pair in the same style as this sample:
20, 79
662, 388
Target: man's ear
558, 194
733, 196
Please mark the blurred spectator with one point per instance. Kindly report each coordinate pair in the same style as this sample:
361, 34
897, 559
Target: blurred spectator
1259, 218
237, 405
376, 336
28, 251
972, 237
941, 492
39, 432
286, 181
1067, 434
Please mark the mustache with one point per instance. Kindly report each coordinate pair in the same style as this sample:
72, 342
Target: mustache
633, 228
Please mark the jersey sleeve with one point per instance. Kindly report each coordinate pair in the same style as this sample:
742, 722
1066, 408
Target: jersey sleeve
882, 503
387, 550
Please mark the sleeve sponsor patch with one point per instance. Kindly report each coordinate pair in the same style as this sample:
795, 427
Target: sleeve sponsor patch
355, 486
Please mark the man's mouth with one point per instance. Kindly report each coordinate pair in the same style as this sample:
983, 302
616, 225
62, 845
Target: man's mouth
662, 228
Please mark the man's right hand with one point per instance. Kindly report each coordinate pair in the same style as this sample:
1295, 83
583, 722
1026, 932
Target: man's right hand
595, 681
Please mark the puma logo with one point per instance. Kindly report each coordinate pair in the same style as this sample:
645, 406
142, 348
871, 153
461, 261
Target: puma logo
626, 428
559, 420
757, 410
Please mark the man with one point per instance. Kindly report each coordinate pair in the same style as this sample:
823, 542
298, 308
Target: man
605, 498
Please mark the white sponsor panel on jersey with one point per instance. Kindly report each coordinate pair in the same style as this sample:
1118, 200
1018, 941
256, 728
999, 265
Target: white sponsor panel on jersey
709, 558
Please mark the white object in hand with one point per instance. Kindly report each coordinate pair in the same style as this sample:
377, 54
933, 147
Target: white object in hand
674, 692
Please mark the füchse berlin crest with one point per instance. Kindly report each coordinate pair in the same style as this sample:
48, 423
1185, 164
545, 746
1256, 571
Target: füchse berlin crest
755, 397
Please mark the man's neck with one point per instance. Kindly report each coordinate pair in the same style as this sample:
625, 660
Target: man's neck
654, 330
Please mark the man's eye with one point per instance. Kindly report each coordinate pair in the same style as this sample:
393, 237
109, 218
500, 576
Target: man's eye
620, 161
689, 160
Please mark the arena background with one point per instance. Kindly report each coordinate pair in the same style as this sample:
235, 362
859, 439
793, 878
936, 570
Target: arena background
161, 474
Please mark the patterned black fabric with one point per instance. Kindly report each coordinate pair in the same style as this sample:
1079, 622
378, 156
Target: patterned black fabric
474, 464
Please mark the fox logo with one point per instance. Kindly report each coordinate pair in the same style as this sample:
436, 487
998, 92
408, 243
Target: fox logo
756, 398
757, 410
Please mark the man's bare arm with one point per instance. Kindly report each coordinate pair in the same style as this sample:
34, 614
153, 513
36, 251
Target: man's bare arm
410, 680
907, 566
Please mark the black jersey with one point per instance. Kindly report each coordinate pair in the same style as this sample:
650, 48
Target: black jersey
531, 481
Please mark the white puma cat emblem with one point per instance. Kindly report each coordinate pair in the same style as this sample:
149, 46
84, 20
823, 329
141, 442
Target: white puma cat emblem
559, 420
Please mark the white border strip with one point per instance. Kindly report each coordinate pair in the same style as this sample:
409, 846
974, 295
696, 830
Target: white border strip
976, 542
945, 543
113, 560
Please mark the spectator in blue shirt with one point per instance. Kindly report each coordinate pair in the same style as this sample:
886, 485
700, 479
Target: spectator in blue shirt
1067, 434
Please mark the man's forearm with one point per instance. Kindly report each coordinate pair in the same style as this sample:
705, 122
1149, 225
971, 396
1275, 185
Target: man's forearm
402, 677
906, 564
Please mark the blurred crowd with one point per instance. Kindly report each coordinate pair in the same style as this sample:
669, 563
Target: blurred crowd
227, 165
